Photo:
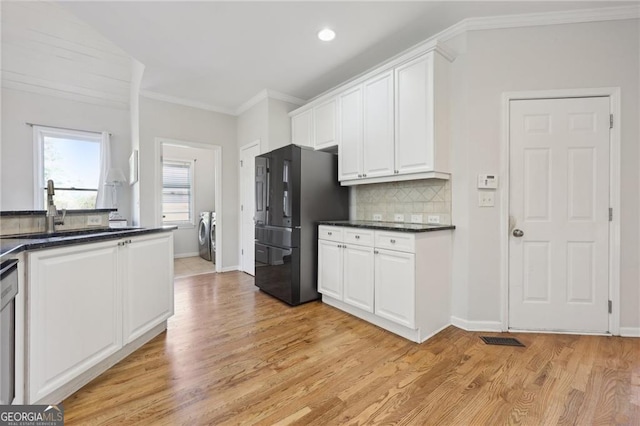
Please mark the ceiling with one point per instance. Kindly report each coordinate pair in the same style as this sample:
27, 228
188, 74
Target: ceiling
221, 54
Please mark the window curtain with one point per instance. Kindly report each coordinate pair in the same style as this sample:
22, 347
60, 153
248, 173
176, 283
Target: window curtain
102, 199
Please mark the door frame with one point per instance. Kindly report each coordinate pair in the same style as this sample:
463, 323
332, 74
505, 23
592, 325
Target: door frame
240, 149
613, 93
217, 154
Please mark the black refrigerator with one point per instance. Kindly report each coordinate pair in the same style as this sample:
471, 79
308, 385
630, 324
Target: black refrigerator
295, 187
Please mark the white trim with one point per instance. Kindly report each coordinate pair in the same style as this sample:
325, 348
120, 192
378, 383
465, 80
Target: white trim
264, 94
397, 178
476, 325
614, 95
630, 331
573, 333
228, 268
183, 255
185, 102
217, 151
240, 149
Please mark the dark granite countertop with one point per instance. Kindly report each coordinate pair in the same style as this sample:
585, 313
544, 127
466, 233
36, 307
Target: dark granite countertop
44, 212
15, 244
388, 226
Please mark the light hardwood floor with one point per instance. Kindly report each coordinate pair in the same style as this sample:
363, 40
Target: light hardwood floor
233, 355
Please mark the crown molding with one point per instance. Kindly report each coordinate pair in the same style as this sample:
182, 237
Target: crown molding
185, 102
538, 19
266, 93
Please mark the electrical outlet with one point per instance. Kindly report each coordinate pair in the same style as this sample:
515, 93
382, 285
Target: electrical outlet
398, 217
416, 218
433, 219
486, 199
377, 216
94, 220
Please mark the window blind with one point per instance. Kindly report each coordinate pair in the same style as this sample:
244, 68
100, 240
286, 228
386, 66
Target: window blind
176, 191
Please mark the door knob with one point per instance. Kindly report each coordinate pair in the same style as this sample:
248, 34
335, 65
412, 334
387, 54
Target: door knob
518, 233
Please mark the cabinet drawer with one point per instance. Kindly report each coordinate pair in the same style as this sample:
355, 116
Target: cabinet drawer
399, 241
358, 236
331, 233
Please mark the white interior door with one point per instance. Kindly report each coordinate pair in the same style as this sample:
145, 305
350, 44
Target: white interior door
248, 155
559, 207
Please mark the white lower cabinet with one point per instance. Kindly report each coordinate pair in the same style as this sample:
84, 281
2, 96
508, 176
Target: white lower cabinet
87, 301
395, 286
148, 284
399, 281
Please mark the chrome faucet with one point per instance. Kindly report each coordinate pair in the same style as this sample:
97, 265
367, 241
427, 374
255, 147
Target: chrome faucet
52, 212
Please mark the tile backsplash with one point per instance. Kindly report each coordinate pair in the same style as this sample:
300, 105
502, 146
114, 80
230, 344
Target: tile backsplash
36, 224
428, 197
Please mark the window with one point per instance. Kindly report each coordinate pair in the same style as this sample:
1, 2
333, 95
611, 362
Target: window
177, 192
72, 160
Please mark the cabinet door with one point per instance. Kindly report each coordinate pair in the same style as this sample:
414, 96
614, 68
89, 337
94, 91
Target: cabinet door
302, 128
75, 318
358, 276
378, 126
414, 124
324, 125
330, 269
148, 283
350, 133
395, 286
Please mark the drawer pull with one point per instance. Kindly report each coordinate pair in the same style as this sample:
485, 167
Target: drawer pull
376, 252
339, 245
329, 233
357, 237
393, 241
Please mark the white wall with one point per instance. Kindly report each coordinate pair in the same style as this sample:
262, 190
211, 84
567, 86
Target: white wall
603, 54
171, 121
267, 121
18, 108
185, 239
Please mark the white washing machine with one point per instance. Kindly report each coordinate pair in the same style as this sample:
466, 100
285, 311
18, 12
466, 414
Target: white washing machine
212, 236
204, 235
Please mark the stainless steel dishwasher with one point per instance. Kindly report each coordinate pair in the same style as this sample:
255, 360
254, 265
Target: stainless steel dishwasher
9, 287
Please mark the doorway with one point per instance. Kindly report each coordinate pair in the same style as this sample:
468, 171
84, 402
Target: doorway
194, 170
248, 155
562, 241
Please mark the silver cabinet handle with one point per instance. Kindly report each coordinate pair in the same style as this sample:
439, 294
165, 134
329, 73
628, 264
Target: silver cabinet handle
376, 252
393, 241
357, 237
518, 233
339, 245
329, 233
344, 246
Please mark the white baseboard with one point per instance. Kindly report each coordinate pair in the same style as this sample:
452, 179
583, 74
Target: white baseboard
630, 331
230, 268
476, 325
181, 255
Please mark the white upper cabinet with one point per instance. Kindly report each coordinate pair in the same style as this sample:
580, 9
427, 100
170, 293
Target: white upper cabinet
324, 122
421, 125
391, 124
302, 128
350, 134
378, 126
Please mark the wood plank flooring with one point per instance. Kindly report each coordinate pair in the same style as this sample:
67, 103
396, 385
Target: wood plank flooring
233, 355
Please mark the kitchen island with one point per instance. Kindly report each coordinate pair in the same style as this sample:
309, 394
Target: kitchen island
87, 299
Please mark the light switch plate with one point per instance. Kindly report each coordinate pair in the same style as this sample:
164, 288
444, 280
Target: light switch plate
398, 217
433, 219
94, 220
486, 199
416, 218
377, 216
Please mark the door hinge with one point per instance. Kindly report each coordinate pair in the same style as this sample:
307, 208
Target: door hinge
241, 163
610, 214
610, 307
241, 208
611, 121
242, 251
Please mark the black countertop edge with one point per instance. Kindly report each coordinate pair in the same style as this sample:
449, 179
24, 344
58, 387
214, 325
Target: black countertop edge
44, 212
12, 246
388, 226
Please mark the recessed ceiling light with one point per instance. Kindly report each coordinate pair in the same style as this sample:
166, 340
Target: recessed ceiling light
326, 34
